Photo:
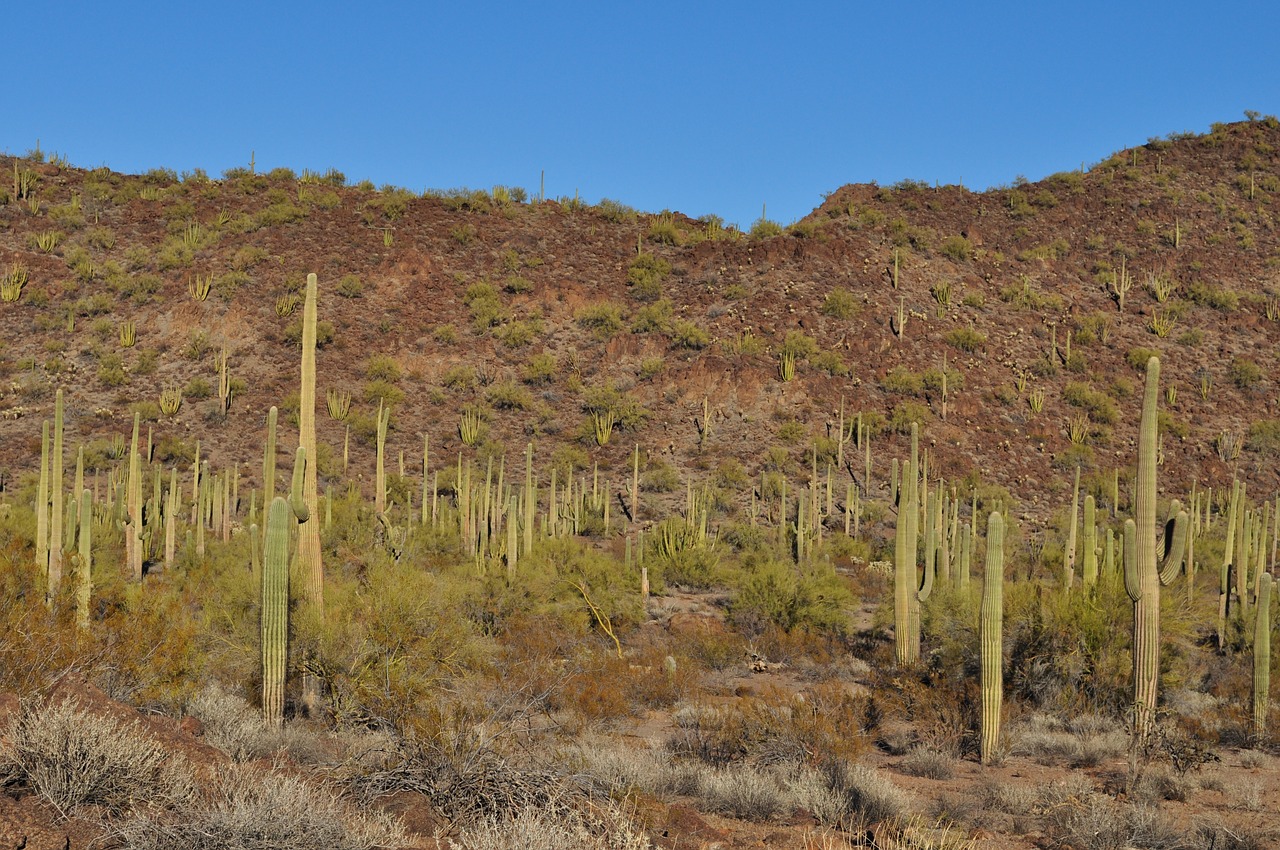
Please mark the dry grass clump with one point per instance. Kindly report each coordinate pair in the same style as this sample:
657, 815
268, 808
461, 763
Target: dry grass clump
930, 763
1081, 741
534, 828
73, 759
252, 810
1101, 823
236, 728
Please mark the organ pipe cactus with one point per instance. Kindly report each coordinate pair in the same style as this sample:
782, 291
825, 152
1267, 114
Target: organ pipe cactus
1262, 658
990, 635
1143, 575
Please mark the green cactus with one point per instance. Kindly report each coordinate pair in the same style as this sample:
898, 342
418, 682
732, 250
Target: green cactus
990, 631
1069, 552
133, 506
1143, 574
380, 467
84, 570
275, 611
55, 500
42, 507
904, 555
1089, 565
1262, 658
310, 566
1224, 573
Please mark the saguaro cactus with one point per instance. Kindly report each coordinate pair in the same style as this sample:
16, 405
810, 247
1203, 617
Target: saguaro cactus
55, 500
990, 631
1143, 576
84, 570
1089, 568
275, 610
309, 563
905, 585
1262, 658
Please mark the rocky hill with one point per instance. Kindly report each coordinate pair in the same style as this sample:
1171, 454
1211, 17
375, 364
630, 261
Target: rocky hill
537, 314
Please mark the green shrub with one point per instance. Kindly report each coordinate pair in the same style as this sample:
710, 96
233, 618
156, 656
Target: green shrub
645, 275
778, 594
380, 367
541, 369
1101, 408
902, 381
965, 339
1138, 357
603, 319
508, 395
350, 287
831, 363
686, 334
1264, 437
652, 318
907, 412
839, 304
1207, 295
1244, 373
957, 248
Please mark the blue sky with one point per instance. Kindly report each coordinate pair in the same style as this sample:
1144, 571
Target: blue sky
697, 107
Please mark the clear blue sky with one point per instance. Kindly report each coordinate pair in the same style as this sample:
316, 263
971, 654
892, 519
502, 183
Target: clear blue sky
700, 107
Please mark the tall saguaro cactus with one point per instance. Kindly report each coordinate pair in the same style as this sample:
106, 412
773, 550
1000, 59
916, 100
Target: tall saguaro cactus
1143, 576
275, 610
309, 563
55, 500
905, 586
991, 637
1262, 658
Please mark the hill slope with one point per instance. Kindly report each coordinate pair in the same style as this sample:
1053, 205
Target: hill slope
539, 313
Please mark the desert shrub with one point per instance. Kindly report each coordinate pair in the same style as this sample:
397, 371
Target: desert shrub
541, 369
1264, 437
1100, 407
742, 792
508, 395
868, 796
1207, 295
603, 320
799, 345
905, 413
839, 304
685, 334
380, 367
236, 728
255, 810
645, 275
553, 828
1138, 357
929, 762
831, 363
652, 318
791, 597
965, 339
957, 248
1244, 373
902, 381
73, 758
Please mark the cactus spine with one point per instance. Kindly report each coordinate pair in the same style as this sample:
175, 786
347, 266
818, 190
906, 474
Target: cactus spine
990, 629
1143, 575
1262, 658
275, 611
